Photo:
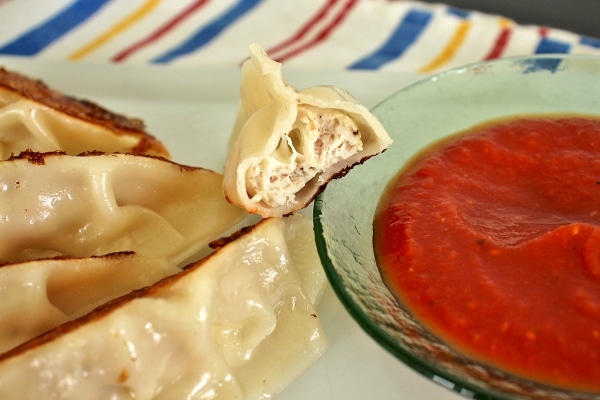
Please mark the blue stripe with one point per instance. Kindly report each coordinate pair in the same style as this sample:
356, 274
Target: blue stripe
458, 12
36, 39
552, 46
534, 65
208, 32
406, 33
589, 41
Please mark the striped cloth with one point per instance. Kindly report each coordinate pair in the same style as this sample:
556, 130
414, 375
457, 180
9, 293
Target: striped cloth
406, 36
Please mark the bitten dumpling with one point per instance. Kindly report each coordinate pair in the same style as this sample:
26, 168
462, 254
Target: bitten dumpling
239, 324
35, 117
286, 144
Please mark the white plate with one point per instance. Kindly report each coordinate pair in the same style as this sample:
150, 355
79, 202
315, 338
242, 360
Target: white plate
192, 112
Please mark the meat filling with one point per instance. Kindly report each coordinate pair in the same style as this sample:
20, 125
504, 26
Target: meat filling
319, 139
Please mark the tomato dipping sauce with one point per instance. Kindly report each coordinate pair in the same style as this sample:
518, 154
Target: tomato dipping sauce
491, 239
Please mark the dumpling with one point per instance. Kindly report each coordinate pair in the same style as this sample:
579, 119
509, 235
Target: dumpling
236, 325
38, 118
36, 296
53, 204
286, 144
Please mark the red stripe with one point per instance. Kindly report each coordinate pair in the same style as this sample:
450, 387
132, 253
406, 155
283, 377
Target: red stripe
500, 44
305, 29
544, 31
322, 35
160, 31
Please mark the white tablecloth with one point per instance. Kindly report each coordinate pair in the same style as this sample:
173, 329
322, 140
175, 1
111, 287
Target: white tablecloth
404, 36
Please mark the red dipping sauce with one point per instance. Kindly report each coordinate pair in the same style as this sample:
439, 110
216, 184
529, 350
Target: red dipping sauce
491, 239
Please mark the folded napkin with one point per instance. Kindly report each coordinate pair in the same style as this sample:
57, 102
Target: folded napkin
406, 36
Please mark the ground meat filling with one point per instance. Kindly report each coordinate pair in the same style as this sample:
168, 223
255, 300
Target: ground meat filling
319, 139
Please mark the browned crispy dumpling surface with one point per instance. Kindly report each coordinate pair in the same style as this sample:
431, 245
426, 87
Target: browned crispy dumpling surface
35, 117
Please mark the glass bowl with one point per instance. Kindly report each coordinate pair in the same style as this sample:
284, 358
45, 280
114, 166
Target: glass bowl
416, 117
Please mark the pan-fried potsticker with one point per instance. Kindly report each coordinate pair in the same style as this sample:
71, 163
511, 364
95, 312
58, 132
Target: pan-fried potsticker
37, 296
239, 324
36, 117
52, 204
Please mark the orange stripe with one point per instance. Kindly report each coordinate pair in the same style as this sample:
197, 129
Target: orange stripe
505, 23
115, 30
451, 48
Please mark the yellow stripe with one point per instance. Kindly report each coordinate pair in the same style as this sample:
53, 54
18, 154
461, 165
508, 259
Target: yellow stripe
505, 23
451, 48
116, 29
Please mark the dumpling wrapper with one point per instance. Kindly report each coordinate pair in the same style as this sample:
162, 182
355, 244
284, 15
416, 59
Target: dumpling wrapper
236, 325
36, 296
53, 204
286, 144
38, 118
